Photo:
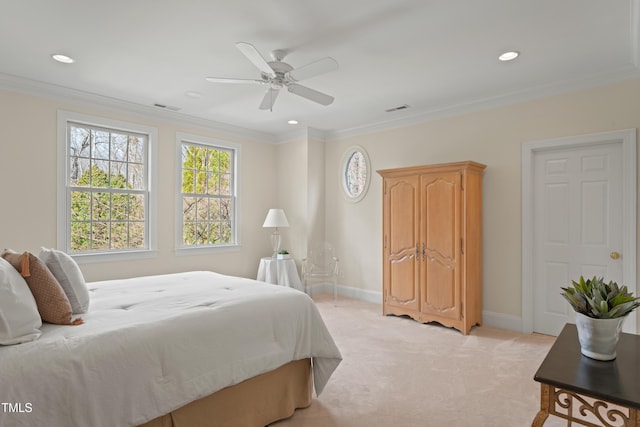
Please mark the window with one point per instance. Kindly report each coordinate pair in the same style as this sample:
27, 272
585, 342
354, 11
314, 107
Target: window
107, 186
356, 170
207, 195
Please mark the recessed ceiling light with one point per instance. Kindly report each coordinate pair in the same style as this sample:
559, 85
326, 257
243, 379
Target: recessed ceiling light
509, 56
293, 122
63, 58
193, 94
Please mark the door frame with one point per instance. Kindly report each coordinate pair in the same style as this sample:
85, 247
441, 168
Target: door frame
627, 138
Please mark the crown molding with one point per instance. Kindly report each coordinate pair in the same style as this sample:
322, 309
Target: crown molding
65, 94
59, 93
630, 72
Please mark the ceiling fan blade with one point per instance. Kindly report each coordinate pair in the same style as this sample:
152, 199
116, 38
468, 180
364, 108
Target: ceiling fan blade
310, 94
225, 80
313, 69
269, 99
254, 56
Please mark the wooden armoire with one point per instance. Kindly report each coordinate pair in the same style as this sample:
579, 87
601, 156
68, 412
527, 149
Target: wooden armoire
432, 243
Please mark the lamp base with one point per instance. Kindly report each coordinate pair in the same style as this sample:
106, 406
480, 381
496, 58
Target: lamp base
275, 243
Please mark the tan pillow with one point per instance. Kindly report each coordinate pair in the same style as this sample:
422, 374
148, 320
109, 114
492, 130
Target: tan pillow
53, 304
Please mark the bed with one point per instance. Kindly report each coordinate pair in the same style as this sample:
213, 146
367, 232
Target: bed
184, 349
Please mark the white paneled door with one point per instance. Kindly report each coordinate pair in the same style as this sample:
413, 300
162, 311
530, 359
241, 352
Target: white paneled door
577, 225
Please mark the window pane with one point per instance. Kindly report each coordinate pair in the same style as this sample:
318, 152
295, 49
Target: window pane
226, 210
119, 146
120, 207
100, 144
136, 149
187, 181
213, 183
79, 141
135, 179
189, 233
202, 230
100, 174
201, 182
119, 235
100, 235
187, 156
199, 158
136, 235
225, 162
118, 178
136, 207
189, 208
80, 236
79, 171
100, 206
202, 209
225, 232
80, 206
215, 210
225, 184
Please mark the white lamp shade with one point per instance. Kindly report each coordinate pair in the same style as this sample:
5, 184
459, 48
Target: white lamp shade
276, 218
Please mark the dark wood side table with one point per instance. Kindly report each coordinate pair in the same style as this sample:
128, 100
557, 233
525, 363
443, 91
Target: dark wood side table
587, 391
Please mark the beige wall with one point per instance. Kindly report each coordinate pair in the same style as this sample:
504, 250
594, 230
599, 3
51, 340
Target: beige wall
492, 137
28, 196
292, 195
290, 175
301, 193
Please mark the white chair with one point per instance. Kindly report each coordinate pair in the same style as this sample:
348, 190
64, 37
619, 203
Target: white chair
321, 263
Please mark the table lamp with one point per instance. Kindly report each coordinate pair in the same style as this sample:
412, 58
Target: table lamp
275, 218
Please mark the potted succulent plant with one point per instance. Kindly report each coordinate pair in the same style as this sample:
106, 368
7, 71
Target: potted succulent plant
283, 254
600, 311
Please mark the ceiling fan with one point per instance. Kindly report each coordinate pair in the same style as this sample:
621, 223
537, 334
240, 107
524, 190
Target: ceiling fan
277, 75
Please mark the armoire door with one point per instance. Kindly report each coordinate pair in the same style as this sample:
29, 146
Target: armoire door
401, 237
440, 231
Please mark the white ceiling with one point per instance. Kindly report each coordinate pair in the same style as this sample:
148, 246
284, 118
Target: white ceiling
438, 57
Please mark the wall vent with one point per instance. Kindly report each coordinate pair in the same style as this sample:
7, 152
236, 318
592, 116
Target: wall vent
168, 107
402, 107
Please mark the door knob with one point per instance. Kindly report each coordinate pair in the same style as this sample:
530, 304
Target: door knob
614, 255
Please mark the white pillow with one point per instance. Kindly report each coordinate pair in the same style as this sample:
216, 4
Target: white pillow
68, 274
19, 317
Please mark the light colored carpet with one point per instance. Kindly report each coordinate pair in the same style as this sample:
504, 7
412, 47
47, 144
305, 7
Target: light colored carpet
398, 372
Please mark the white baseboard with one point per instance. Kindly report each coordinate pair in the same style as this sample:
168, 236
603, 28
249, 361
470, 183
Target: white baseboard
489, 318
502, 321
349, 292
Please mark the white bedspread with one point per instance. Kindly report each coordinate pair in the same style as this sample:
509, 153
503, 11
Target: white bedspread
152, 344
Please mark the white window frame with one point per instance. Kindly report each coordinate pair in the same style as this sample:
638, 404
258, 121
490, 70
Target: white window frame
151, 206
182, 249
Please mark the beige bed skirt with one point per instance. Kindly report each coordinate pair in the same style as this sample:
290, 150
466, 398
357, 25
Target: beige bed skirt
257, 401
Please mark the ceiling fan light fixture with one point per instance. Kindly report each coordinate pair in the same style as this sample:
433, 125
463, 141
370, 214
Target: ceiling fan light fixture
65, 59
508, 56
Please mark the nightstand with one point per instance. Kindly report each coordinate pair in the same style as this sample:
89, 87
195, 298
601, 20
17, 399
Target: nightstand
279, 272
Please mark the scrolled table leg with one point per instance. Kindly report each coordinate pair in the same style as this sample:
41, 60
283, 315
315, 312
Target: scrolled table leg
543, 413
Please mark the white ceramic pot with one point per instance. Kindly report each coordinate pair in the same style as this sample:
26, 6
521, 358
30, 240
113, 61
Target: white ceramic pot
598, 337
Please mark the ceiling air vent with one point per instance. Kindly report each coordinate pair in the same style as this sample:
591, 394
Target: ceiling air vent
402, 107
168, 107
